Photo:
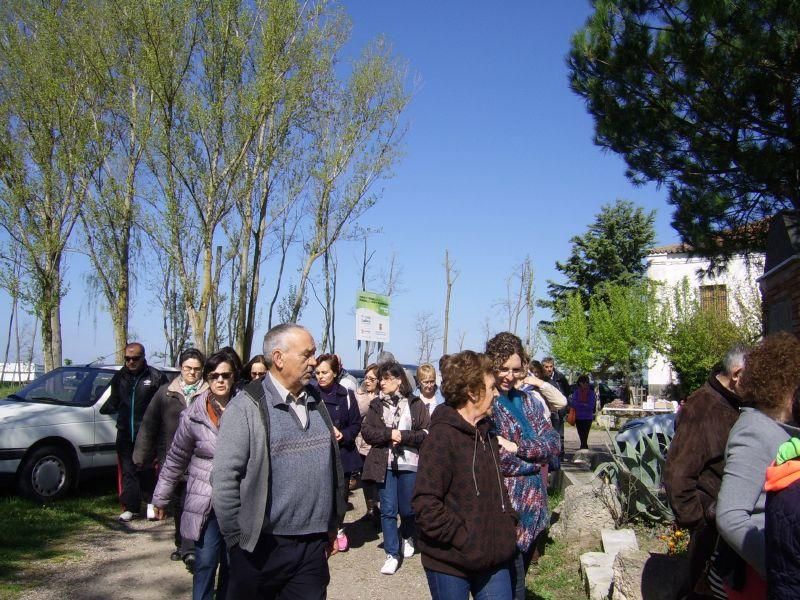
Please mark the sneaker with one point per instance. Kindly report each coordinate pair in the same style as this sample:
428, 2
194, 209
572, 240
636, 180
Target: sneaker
341, 541
126, 517
188, 560
176, 556
408, 548
390, 566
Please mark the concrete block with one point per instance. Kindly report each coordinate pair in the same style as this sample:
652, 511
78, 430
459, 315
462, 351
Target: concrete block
616, 540
596, 559
598, 583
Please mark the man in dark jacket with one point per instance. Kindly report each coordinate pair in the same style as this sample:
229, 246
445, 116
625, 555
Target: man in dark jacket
696, 461
557, 379
132, 388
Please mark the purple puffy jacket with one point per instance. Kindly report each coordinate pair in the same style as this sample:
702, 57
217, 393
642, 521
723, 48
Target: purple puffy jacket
193, 449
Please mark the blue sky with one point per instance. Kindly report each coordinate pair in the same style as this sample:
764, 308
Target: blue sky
498, 163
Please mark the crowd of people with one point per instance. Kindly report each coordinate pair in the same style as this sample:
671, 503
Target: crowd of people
256, 463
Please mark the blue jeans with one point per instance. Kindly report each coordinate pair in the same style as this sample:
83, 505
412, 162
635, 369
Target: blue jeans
519, 568
210, 552
490, 585
395, 494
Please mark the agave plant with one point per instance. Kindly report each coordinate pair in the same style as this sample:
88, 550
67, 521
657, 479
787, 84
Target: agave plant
635, 472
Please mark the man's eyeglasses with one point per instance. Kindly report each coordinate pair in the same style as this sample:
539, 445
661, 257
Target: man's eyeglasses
505, 372
134, 358
215, 376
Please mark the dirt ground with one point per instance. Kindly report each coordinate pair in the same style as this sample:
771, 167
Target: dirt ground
131, 562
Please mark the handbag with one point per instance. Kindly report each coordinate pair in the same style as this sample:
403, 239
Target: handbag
571, 416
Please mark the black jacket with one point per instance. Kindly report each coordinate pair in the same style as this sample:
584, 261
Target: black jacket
560, 381
130, 395
160, 422
783, 543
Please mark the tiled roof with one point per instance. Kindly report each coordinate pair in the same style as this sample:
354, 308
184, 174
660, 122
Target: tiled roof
671, 249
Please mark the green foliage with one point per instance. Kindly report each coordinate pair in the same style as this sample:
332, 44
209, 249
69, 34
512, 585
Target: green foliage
698, 337
611, 251
635, 472
623, 327
46, 102
701, 97
627, 325
569, 339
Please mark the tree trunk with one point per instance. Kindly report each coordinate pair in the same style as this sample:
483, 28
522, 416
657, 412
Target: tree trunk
450, 276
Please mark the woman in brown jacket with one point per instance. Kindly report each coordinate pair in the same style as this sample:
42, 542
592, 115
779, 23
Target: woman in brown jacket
395, 426
466, 522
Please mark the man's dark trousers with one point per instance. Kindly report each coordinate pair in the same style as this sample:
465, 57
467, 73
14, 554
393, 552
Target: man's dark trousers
133, 483
285, 567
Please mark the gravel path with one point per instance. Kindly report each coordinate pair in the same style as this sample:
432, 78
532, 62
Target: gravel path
131, 562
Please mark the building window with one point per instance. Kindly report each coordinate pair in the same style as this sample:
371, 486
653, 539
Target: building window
714, 297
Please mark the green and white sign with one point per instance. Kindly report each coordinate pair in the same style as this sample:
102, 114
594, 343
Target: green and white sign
372, 317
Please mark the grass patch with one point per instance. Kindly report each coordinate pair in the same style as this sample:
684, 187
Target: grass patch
34, 532
7, 389
556, 577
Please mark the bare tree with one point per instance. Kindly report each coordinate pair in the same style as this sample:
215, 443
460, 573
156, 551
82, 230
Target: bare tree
451, 274
526, 283
519, 298
428, 332
461, 336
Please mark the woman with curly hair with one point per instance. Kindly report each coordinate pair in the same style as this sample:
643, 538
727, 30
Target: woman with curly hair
465, 519
770, 377
527, 442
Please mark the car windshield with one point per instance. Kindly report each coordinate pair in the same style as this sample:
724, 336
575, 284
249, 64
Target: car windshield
72, 386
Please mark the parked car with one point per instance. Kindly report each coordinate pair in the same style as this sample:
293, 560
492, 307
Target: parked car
52, 433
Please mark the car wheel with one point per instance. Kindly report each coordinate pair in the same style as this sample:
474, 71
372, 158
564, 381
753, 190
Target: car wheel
47, 474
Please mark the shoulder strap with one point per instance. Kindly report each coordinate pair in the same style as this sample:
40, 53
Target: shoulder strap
255, 390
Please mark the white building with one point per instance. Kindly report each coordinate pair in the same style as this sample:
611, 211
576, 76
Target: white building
20, 372
671, 264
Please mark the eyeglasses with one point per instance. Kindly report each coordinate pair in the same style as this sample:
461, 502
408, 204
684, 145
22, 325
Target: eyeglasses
257, 374
371, 378
428, 382
504, 372
134, 358
191, 369
215, 376
389, 377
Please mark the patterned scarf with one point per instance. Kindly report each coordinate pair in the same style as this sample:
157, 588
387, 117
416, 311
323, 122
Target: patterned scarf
189, 390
